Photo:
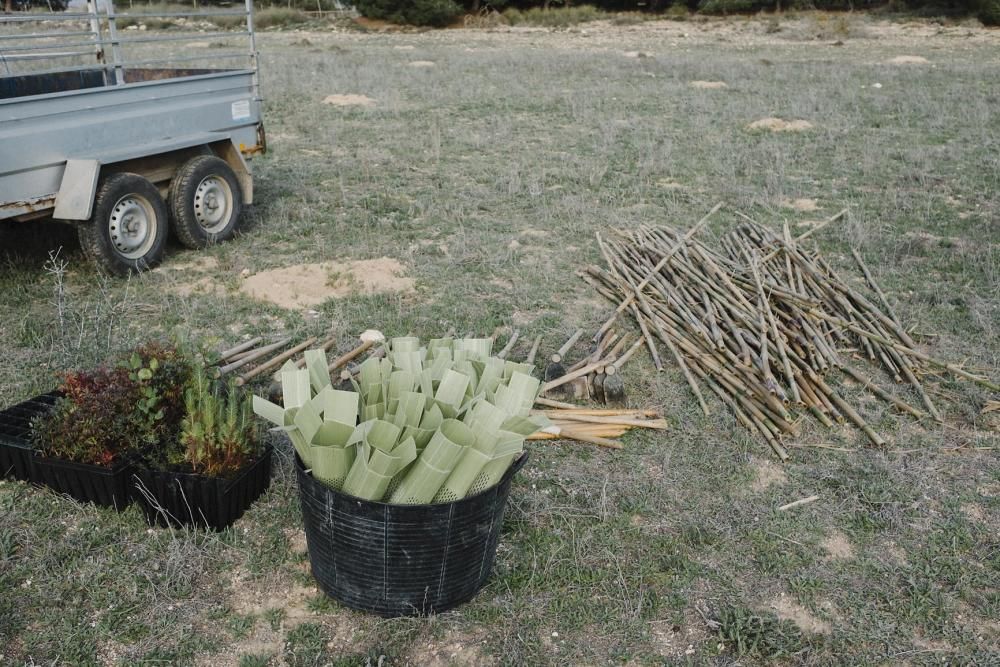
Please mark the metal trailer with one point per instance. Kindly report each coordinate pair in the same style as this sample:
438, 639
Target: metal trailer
122, 145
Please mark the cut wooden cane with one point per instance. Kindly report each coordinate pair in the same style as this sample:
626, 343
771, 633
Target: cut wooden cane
276, 361
614, 388
502, 354
534, 351
555, 368
259, 353
226, 355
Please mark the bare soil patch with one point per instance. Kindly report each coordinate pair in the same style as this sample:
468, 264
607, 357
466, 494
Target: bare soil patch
708, 85
908, 60
766, 474
205, 285
804, 205
349, 100
670, 184
780, 125
974, 512
191, 262
837, 546
787, 610
535, 233
682, 640
452, 650
306, 285
277, 594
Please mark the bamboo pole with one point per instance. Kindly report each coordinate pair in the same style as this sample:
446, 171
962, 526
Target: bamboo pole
276, 361
261, 352
242, 347
666, 258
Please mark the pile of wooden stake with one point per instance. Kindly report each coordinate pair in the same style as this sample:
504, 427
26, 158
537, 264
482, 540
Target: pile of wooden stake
763, 322
598, 426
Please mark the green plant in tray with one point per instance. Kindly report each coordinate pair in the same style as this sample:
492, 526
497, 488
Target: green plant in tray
218, 434
109, 414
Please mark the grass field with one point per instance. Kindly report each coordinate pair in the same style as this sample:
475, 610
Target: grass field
486, 175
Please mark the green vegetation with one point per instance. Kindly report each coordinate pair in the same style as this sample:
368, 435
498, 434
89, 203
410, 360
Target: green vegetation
110, 414
435, 13
554, 17
218, 433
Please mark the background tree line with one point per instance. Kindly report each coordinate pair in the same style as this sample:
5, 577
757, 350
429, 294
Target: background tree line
445, 12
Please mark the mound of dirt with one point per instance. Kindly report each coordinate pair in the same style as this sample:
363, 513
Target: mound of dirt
908, 60
349, 100
780, 125
306, 285
708, 85
800, 204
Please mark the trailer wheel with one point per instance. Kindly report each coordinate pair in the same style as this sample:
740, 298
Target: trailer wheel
128, 230
206, 201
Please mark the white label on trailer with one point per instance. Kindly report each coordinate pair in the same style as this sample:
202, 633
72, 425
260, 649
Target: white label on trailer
241, 110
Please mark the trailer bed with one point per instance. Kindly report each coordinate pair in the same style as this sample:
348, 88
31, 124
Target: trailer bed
154, 112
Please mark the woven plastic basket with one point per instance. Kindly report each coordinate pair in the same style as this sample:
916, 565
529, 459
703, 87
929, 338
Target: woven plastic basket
402, 560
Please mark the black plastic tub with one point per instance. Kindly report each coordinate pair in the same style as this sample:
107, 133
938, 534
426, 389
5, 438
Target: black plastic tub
107, 487
402, 560
16, 449
173, 498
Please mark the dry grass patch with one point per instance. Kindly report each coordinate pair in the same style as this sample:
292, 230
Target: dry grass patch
708, 85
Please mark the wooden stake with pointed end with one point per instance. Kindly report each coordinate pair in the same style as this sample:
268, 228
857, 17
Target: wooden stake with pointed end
555, 368
614, 388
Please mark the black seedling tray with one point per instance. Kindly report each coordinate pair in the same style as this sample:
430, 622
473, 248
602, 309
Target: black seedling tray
16, 449
402, 560
173, 498
107, 487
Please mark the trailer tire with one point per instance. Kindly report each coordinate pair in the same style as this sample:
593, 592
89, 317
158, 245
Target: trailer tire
206, 202
128, 231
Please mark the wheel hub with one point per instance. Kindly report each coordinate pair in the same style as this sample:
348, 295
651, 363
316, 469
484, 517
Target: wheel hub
132, 226
213, 204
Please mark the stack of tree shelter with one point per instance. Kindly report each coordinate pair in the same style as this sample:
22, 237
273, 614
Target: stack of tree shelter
765, 323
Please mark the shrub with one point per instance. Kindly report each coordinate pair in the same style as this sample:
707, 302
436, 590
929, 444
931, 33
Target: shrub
107, 415
435, 13
729, 6
989, 12
276, 17
557, 17
92, 422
